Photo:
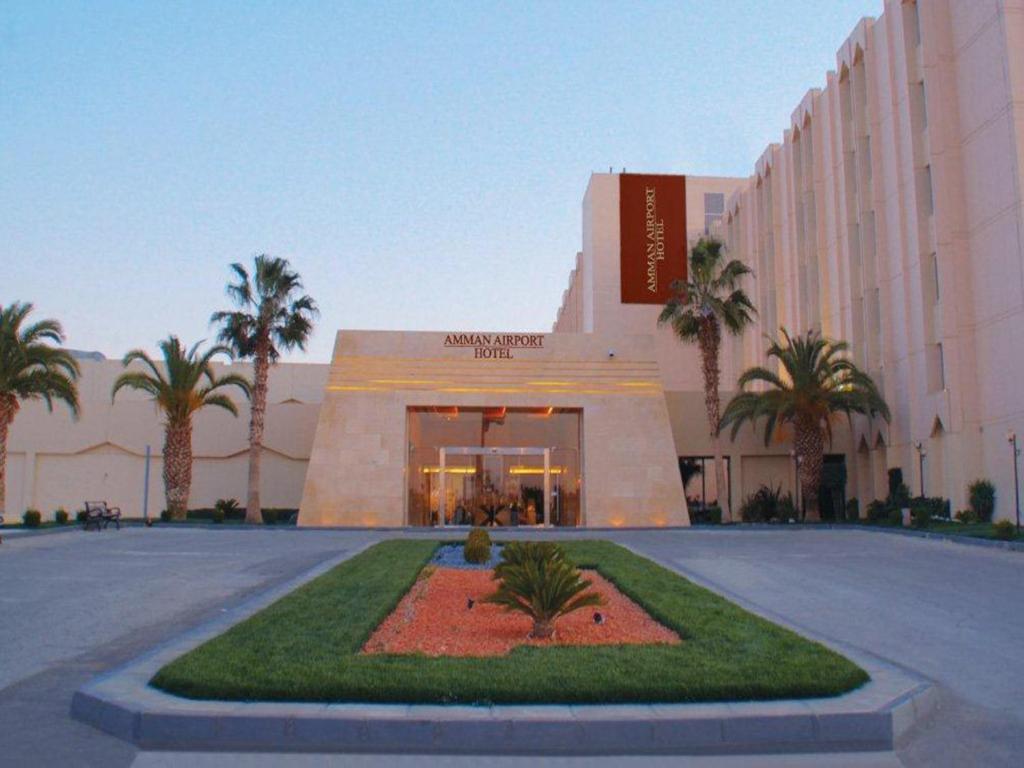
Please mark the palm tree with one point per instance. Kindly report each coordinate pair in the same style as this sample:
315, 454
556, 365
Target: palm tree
537, 579
818, 382
708, 300
183, 385
271, 317
31, 369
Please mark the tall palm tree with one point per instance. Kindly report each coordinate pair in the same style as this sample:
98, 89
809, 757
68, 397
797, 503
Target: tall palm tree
273, 316
709, 300
184, 384
31, 369
817, 383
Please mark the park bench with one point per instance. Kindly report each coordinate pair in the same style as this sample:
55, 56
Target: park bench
98, 514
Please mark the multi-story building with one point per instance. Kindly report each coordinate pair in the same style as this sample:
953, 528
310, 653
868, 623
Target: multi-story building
890, 215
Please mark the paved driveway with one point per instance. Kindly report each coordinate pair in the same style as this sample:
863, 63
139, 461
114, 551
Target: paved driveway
74, 604
951, 613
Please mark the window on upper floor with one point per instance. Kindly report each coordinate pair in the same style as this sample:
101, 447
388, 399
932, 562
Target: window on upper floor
927, 191
714, 208
913, 21
934, 259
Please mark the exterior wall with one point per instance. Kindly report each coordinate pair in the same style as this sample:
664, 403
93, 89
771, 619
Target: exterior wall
599, 309
357, 472
890, 215
56, 462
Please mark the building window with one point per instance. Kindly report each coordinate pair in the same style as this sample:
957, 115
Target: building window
921, 105
699, 485
927, 193
936, 368
714, 207
935, 275
913, 19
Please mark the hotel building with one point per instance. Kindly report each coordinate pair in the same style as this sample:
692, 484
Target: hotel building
889, 215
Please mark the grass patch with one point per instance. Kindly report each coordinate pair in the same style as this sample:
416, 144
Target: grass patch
305, 647
973, 530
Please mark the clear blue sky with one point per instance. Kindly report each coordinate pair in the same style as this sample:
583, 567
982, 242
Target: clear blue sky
421, 164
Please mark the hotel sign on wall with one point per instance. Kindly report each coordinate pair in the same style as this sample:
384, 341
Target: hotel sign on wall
652, 225
495, 346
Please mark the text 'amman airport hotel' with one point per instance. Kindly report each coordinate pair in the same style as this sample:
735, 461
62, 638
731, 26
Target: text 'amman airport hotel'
890, 215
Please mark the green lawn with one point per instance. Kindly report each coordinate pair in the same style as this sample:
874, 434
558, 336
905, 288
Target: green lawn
305, 647
974, 530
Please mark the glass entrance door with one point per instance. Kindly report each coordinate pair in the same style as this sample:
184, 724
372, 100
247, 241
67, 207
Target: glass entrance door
494, 487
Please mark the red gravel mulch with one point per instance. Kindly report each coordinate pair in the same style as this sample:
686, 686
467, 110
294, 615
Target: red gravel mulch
434, 619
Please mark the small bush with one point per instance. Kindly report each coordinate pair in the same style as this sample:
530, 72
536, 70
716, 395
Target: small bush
920, 516
767, 505
61, 516
165, 516
478, 546
982, 498
1004, 530
877, 512
227, 506
32, 518
705, 514
966, 516
218, 515
81, 516
852, 509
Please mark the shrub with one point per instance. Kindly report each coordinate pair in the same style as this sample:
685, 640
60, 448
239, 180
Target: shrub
537, 579
920, 516
32, 518
1004, 530
877, 511
705, 514
966, 516
165, 515
852, 509
982, 498
478, 546
229, 508
894, 517
218, 515
81, 516
61, 516
767, 505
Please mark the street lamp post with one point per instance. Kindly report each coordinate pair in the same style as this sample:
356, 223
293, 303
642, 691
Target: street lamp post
1011, 438
921, 453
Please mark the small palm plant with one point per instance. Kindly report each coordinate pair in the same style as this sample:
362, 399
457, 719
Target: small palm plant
184, 384
818, 381
272, 316
31, 369
536, 578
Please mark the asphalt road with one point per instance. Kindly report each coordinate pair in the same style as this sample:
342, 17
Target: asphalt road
74, 604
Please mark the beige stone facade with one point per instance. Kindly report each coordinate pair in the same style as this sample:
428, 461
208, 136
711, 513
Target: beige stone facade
360, 459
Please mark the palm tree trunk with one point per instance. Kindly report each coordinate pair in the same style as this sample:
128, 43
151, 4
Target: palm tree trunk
543, 629
710, 340
8, 407
257, 415
810, 447
178, 468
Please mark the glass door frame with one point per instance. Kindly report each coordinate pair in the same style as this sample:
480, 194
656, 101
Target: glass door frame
479, 451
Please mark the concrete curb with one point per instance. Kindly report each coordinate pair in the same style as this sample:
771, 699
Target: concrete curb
873, 718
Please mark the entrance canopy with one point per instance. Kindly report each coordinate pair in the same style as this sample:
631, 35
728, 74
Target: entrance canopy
493, 429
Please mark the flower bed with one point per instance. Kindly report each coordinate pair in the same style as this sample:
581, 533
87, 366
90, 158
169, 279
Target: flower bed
308, 646
442, 616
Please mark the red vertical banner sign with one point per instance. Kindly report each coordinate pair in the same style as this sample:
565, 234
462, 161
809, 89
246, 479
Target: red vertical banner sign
652, 228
